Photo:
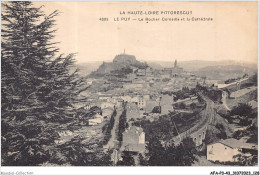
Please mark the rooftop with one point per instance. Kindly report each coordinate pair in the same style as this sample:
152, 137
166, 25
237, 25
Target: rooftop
134, 129
234, 143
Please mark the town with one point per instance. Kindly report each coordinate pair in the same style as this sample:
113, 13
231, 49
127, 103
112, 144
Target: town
127, 108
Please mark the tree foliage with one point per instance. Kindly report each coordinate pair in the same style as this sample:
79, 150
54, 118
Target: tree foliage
122, 125
38, 89
127, 159
242, 109
107, 128
170, 155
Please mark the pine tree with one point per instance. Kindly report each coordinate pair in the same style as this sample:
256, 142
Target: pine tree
38, 90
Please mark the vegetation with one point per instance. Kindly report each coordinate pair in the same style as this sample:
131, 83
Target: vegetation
244, 160
163, 127
215, 133
107, 128
232, 80
180, 105
142, 160
159, 155
193, 106
166, 79
127, 160
84, 114
253, 79
122, 125
222, 134
242, 109
214, 95
250, 131
122, 73
160, 128
38, 89
156, 109
184, 93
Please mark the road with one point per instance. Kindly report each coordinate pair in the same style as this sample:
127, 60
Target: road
207, 116
113, 140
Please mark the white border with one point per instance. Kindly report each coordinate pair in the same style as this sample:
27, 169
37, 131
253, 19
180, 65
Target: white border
131, 170
135, 170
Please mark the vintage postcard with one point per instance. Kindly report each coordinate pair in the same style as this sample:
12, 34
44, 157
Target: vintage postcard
98, 83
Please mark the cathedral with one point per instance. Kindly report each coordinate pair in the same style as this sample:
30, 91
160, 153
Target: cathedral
176, 70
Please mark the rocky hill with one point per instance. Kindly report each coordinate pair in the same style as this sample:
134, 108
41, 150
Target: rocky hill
122, 62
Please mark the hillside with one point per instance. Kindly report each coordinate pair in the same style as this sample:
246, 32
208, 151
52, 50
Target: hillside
88, 67
224, 72
120, 63
196, 65
199, 67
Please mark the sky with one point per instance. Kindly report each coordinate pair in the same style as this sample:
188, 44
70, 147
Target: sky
232, 35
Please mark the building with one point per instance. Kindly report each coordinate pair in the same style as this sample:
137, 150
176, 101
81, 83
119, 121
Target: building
107, 112
64, 136
150, 105
141, 103
148, 71
253, 104
177, 71
126, 98
132, 111
136, 86
174, 71
166, 102
105, 105
140, 72
226, 150
97, 120
133, 140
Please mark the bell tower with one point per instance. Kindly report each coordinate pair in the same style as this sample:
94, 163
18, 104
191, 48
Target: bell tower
175, 64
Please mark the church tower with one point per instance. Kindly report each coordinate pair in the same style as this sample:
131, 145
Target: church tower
175, 64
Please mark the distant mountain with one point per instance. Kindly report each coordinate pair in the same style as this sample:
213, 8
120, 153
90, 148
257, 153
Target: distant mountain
160, 64
195, 65
155, 65
88, 67
218, 70
200, 67
224, 72
120, 63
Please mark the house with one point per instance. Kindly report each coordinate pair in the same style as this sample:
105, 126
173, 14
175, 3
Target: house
88, 106
132, 111
131, 76
176, 70
126, 98
166, 103
148, 71
97, 120
107, 112
105, 105
150, 105
65, 136
226, 150
253, 104
119, 102
133, 86
140, 72
133, 140
141, 101
104, 96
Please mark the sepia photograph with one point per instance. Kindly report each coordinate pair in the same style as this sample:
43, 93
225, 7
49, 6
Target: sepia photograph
98, 83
